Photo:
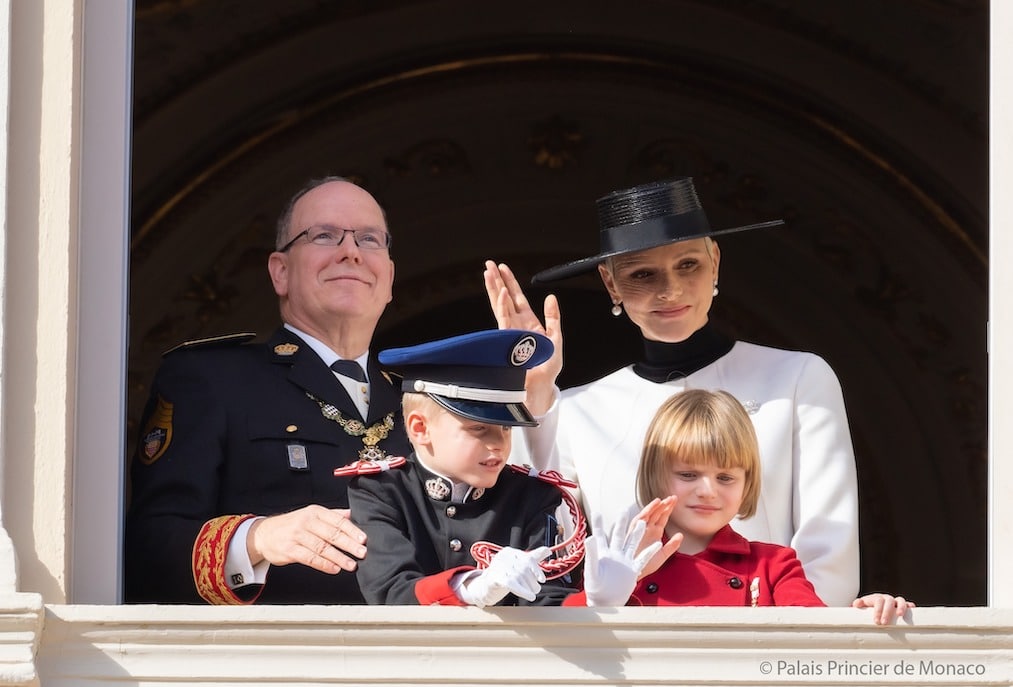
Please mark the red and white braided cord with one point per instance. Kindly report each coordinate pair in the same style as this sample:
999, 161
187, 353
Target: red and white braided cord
567, 554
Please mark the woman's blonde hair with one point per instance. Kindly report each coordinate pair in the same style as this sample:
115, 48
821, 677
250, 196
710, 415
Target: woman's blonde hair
699, 427
708, 244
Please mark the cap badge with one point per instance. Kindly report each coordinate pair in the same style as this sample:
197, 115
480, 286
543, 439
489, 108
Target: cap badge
523, 350
286, 349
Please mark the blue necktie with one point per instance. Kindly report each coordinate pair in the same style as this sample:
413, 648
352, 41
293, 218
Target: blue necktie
349, 368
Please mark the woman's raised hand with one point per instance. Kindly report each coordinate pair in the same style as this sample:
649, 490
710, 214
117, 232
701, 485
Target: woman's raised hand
512, 311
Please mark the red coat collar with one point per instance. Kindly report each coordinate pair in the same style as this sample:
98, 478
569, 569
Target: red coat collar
727, 541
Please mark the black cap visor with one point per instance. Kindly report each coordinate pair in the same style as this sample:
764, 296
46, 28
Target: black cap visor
507, 414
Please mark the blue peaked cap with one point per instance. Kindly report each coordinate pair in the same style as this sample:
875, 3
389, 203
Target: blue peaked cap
479, 375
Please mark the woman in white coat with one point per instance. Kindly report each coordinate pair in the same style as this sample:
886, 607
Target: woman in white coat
659, 264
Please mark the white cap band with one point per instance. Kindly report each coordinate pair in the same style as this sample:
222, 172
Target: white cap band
469, 393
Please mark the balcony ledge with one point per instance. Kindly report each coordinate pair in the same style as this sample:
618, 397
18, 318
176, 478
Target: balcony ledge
62, 645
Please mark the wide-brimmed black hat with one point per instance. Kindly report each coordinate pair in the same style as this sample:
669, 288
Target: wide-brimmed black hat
642, 217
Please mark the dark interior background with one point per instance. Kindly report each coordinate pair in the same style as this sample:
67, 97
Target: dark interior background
487, 130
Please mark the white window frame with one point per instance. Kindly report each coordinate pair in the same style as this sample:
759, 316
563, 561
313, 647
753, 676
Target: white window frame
103, 300
8, 576
1000, 316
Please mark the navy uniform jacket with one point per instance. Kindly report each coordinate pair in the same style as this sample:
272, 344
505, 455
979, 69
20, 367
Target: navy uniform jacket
418, 539
224, 435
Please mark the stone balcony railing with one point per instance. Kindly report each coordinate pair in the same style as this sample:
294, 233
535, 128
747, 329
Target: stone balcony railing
63, 645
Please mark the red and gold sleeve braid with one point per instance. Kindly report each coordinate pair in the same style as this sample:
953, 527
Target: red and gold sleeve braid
208, 560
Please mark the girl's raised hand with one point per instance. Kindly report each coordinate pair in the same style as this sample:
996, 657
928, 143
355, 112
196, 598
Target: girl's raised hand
655, 516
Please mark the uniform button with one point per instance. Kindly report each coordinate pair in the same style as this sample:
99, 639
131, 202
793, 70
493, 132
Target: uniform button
291, 428
735, 583
652, 588
451, 511
455, 544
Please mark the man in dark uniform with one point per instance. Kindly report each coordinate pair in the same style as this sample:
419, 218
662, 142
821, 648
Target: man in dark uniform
455, 502
234, 499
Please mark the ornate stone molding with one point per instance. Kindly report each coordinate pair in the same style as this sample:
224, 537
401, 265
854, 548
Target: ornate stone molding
21, 619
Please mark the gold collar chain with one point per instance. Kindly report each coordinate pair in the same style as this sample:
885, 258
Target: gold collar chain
371, 436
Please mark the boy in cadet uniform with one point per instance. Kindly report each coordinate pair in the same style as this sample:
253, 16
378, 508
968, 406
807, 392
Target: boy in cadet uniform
422, 515
462, 396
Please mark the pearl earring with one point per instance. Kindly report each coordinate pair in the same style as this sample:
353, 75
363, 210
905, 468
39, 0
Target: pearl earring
617, 310
715, 292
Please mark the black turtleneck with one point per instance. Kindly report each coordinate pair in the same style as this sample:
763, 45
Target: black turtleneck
666, 361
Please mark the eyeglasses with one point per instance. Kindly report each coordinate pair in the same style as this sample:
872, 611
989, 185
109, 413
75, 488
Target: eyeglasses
326, 235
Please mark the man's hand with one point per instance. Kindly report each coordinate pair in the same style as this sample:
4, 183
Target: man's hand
322, 538
512, 311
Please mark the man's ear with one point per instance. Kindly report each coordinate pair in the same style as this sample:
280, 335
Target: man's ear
277, 267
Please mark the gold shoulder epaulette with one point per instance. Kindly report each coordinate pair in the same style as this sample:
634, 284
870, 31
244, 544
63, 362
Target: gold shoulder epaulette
226, 340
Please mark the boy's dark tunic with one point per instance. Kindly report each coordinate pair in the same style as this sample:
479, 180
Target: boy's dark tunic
418, 538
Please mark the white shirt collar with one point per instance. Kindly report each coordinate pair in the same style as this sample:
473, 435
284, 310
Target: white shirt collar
324, 351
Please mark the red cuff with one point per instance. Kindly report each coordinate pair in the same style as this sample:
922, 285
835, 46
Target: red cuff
208, 560
435, 590
576, 599
580, 599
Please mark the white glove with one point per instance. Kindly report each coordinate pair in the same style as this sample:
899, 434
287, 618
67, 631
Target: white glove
610, 569
510, 570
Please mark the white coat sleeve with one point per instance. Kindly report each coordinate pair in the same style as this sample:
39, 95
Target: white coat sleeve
537, 446
825, 487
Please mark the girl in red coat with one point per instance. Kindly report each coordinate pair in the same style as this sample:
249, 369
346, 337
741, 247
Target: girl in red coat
699, 469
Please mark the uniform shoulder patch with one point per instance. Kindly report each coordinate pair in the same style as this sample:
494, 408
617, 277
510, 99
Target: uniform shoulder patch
207, 342
157, 433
